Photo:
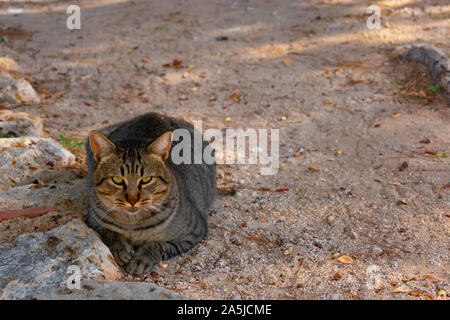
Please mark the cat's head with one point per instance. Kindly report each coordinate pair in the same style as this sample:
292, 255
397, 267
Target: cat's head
130, 176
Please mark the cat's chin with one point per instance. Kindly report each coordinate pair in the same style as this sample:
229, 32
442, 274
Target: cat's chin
131, 211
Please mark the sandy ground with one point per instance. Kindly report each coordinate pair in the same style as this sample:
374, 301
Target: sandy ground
311, 69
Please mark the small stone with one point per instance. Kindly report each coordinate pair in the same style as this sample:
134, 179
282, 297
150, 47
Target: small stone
7, 64
23, 159
18, 124
19, 92
330, 219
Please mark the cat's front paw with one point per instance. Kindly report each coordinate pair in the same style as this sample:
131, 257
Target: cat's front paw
123, 252
142, 263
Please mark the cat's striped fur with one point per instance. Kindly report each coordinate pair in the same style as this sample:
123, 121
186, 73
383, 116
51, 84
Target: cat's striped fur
143, 224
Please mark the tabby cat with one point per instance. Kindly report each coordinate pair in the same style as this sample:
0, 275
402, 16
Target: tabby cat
145, 207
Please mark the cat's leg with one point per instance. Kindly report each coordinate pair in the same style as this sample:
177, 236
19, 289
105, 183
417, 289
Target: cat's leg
121, 248
151, 253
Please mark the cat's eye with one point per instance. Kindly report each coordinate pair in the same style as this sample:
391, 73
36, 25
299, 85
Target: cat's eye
117, 180
146, 180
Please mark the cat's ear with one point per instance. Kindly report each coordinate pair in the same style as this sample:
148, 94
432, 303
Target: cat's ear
100, 145
161, 146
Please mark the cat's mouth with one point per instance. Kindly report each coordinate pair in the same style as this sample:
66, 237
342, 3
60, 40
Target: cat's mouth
133, 209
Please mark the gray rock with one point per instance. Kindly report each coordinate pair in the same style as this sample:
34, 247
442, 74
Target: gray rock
92, 289
43, 265
19, 92
5, 79
8, 64
434, 59
23, 159
18, 124
39, 262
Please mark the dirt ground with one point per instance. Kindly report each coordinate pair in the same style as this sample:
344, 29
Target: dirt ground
344, 103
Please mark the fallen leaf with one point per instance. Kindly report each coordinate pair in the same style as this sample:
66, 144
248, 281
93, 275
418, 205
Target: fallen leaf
175, 63
403, 201
314, 169
415, 293
432, 278
31, 212
400, 289
318, 245
345, 259
403, 166
394, 115
287, 61
282, 190
287, 252
338, 276
431, 153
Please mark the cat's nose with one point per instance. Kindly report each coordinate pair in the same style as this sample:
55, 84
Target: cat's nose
132, 198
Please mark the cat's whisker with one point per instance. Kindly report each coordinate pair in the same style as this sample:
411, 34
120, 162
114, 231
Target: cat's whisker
105, 213
159, 210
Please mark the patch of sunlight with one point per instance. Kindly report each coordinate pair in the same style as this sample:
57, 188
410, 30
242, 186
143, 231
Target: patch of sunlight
398, 33
240, 30
58, 7
394, 3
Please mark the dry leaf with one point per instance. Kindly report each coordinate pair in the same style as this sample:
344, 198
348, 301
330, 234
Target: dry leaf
432, 278
312, 168
345, 259
287, 61
25, 213
400, 289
